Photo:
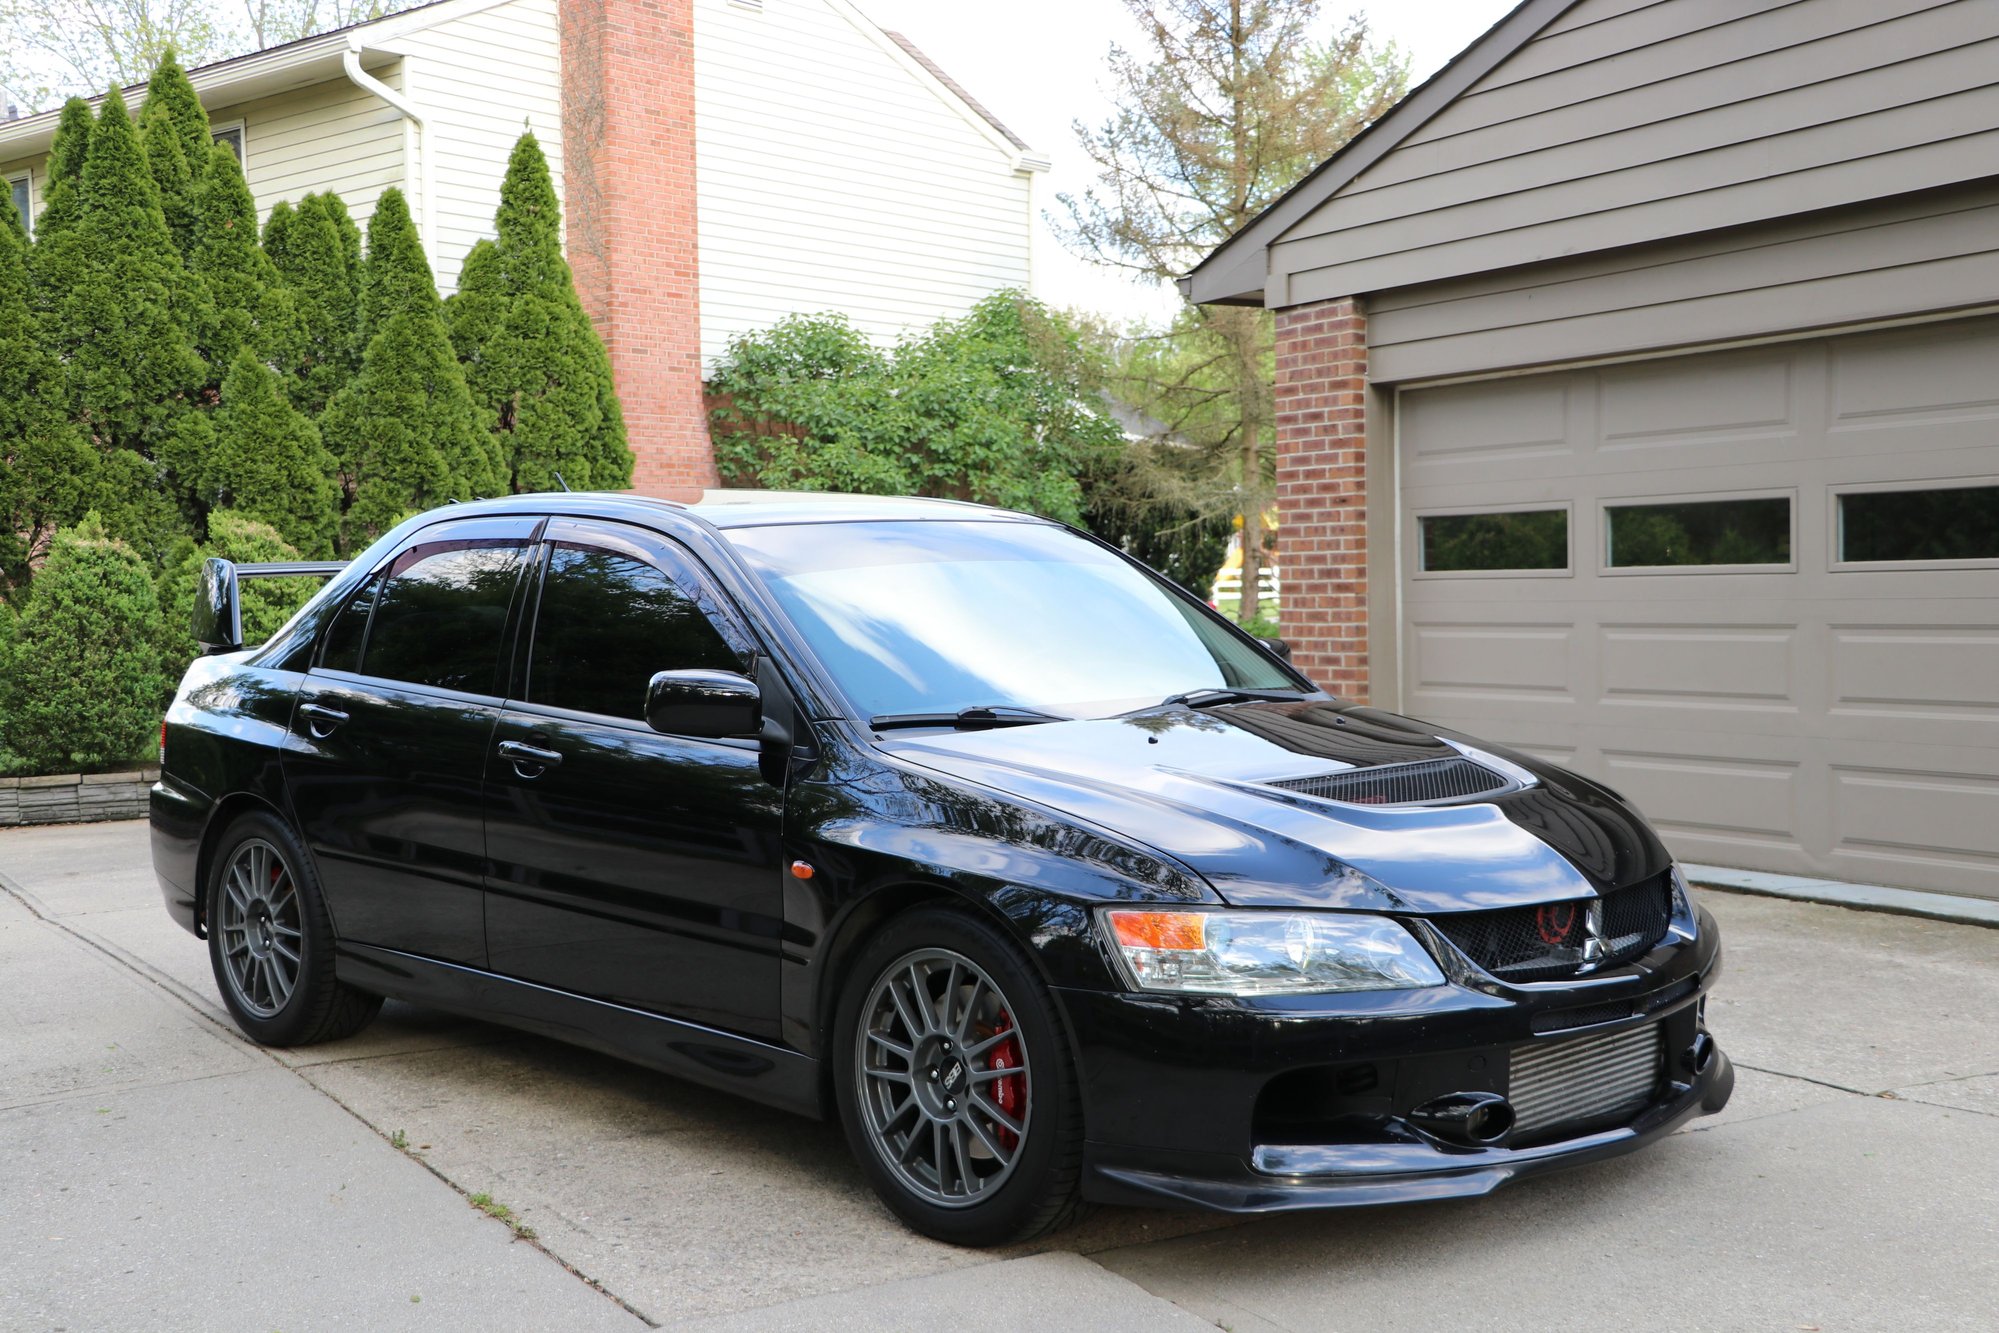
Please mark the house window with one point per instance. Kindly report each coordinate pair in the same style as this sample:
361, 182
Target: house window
1945, 523
24, 199
1469, 543
1699, 532
231, 135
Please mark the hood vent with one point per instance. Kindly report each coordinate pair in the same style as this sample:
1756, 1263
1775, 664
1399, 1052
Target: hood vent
1430, 782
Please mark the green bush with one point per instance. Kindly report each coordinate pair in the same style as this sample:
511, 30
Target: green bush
996, 407
267, 603
81, 678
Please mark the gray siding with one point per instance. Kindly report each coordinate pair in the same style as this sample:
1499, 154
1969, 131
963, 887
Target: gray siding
1936, 252
1624, 124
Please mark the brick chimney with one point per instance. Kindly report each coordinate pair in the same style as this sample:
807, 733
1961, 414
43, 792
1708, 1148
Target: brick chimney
629, 205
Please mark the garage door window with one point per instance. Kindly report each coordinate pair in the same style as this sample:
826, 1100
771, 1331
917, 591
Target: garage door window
1533, 539
1953, 523
1699, 533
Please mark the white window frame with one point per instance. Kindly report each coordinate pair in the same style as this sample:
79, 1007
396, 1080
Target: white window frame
216, 129
26, 178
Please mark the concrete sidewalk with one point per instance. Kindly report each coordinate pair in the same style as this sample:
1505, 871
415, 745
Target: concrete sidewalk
157, 1171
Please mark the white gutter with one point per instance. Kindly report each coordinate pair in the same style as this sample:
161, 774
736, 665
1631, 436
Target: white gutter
350, 61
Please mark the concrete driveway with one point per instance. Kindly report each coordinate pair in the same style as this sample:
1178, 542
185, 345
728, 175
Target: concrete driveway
157, 1171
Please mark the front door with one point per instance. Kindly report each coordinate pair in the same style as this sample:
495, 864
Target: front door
629, 866
391, 735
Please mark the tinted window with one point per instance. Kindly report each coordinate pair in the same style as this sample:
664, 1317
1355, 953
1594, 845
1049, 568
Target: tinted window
1701, 532
1536, 539
349, 630
607, 622
919, 617
440, 614
1961, 523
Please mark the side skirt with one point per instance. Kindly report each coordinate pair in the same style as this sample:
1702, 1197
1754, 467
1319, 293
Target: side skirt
768, 1074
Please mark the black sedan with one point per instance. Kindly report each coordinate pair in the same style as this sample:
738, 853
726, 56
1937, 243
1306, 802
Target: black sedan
1050, 883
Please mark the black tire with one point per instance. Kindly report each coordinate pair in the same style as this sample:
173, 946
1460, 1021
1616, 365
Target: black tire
270, 940
1002, 1186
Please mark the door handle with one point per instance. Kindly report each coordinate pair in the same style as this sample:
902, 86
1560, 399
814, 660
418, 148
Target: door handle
529, 757
321, 720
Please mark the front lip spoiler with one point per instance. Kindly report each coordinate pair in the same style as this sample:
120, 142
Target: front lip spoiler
1293, 1179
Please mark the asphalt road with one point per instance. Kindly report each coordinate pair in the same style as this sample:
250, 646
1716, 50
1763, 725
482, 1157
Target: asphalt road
157, 1171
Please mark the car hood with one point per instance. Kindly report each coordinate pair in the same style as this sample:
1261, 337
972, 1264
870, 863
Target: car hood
1191, 783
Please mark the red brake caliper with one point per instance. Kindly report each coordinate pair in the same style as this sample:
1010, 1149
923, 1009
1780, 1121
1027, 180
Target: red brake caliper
1010, 1093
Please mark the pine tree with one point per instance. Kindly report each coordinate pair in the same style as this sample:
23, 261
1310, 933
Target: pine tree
248, 305
269, 464
173, 128
120, 303
402, 430
308, 244
44, 463
81, 680
537, 370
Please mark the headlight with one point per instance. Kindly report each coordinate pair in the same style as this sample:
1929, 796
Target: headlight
1683, 899
1266, 953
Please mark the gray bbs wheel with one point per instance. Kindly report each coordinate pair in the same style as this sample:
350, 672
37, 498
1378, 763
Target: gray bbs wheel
956, 1084
258, 928
945, 1087
270, 940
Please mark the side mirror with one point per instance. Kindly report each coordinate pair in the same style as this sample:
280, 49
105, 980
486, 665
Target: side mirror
218, 608
1278, 646
705, 704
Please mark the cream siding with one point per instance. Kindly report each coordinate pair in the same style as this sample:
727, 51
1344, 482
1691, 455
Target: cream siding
835, 175
1624, 124
326, 136
480, 79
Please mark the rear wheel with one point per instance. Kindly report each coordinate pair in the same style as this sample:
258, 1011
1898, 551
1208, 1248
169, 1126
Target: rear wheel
956, 1085
270, 941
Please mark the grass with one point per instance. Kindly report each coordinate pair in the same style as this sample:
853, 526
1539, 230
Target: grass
1265, 626
499, 1212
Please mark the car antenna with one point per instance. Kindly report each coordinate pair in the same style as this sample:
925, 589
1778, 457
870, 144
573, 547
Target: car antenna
560, 482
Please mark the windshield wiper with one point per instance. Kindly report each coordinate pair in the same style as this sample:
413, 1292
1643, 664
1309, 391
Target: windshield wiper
1204, 697
967, 719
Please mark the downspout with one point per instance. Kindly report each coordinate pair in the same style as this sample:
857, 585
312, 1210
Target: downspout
350, 61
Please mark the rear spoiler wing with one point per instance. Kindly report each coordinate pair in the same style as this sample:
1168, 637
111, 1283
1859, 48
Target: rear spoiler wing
218, 602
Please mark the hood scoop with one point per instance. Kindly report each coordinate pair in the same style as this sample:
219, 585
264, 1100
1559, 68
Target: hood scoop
1427, 782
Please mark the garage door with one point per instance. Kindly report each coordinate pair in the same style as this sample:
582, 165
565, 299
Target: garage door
1756, 591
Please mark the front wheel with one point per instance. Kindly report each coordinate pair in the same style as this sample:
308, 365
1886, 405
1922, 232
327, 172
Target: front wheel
270, 941
956, 1086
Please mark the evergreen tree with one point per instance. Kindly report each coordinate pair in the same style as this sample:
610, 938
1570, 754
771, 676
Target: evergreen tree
248, 305
309, 247
266, 603
81, 681
538, 372
173, 127
44, 463
402, 431
269, 464
120, 303
61, 192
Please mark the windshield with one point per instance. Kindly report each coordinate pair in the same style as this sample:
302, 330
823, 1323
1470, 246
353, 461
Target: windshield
921, 617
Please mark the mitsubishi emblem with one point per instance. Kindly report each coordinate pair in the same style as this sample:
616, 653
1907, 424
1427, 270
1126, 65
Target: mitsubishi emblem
1594, 945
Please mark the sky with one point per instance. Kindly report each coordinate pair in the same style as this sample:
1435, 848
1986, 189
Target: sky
1038, 66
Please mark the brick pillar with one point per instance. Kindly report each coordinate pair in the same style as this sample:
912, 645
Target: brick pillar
629, 206
1322, 491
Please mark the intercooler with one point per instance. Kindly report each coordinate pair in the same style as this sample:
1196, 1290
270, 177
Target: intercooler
1577, 1084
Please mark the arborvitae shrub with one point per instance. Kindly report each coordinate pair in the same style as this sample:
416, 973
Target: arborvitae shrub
268, 462
538, 372
248, 305
81, 679
267, 603
309, 248
173, 128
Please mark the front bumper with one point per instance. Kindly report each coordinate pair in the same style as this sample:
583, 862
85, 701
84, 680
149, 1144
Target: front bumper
1307, 1102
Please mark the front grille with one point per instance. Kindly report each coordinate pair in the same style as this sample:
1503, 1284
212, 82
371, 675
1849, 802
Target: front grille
1576, 1084
1423, 783
1549, 941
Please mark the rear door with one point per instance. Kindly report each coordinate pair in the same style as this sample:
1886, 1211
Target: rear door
629, 866
391, 736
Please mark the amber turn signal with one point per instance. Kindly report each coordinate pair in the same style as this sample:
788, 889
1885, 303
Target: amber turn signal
801, 870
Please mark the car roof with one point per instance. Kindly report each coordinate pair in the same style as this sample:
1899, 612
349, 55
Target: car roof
725, 509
